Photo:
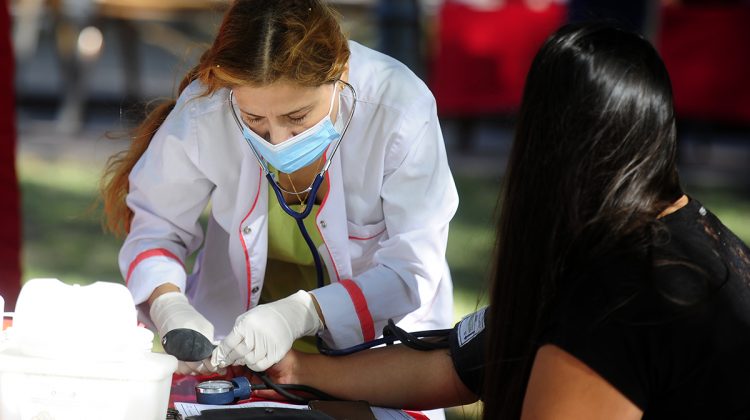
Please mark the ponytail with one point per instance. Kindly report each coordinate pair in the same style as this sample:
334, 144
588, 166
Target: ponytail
114, 186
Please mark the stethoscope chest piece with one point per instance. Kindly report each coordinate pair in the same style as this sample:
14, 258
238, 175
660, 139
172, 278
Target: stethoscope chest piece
221, 392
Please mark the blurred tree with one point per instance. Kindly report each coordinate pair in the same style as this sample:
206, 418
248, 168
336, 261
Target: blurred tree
10, 226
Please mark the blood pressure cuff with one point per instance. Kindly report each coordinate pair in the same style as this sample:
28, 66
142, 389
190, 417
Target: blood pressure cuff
467, 350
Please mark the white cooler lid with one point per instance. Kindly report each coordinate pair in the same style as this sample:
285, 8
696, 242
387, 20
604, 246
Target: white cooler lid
98, 322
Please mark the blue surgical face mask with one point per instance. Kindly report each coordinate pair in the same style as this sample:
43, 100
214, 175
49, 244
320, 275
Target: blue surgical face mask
300, 150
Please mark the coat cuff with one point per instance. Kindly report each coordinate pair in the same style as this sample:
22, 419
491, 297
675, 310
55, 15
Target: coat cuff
152, 268
345, 305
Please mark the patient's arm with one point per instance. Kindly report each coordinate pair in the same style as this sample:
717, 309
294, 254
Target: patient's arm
393, 376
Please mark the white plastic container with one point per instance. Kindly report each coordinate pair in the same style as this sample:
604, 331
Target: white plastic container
76, 353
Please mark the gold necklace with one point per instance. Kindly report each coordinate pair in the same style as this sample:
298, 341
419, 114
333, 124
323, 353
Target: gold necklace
296, 194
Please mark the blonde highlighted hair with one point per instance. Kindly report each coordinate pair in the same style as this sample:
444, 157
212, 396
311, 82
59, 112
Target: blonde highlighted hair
258, 43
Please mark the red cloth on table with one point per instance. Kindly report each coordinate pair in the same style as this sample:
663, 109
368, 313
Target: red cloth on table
706, 49
483, 56
183, 388
10, 218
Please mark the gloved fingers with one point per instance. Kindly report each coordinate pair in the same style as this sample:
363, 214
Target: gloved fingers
189, 368
264, 334
232, 348
219, 355
250, 357
203, 367
242, 353
260, 365
208, 367
218, 370
172, 310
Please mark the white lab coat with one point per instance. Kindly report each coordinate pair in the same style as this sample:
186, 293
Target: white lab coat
384, 222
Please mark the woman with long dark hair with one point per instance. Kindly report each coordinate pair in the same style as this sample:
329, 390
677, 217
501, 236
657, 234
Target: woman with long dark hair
592, 169
614, 294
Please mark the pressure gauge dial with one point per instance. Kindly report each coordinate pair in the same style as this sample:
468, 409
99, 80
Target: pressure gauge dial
220, 392
214, 387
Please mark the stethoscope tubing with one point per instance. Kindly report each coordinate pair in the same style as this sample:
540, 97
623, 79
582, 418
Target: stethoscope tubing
299, 217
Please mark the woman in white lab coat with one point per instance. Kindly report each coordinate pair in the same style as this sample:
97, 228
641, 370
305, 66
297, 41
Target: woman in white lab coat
380, 218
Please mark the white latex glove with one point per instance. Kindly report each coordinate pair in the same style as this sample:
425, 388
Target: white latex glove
264, 334
171, 311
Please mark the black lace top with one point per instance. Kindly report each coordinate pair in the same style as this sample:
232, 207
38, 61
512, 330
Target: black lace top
669, 329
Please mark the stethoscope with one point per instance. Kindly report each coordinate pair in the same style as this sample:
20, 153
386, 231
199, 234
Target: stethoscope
312, 190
